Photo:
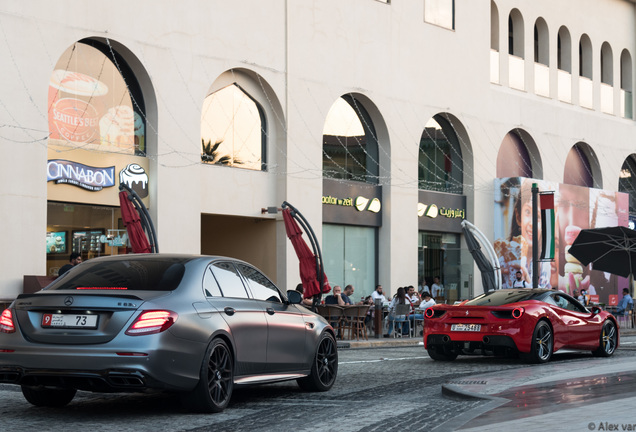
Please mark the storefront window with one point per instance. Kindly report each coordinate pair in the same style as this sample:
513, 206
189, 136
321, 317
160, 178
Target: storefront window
89, 230
440, 255
233, 130
440, 161
350, 145
95, 102
349, 254
627, 183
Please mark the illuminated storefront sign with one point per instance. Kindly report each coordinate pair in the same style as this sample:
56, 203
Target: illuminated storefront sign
87, 177
438, 211
360, 203
432, 211
351, 203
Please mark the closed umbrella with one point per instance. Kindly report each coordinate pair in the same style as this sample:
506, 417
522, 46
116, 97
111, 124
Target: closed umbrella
611, 249
485, 267
136, 235
309, 262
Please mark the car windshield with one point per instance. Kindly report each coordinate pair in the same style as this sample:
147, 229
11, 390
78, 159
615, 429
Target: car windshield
157, 274
504, 297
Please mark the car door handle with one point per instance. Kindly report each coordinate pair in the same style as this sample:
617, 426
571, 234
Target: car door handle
270, 311
230, 311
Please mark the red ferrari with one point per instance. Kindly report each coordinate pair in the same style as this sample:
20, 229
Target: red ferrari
534, 323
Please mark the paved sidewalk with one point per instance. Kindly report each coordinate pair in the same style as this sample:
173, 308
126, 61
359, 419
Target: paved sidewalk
599, 394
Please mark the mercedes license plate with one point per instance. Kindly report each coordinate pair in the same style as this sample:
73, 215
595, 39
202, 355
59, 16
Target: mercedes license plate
466, 327
69, 321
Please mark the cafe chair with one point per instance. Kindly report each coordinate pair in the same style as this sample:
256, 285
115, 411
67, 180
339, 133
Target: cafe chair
334, 315
401, 315
354, 321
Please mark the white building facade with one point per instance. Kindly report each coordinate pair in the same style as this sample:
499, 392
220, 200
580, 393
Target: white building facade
371, 117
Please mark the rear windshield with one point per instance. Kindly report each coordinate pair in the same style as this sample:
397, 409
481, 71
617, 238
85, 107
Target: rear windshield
504, 297
157, 274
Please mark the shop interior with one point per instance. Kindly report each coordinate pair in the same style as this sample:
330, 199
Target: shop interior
90, 230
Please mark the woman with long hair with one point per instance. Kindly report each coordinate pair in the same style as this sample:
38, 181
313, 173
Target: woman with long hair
400, 298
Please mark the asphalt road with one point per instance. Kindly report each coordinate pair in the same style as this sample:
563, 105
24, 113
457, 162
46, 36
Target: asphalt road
378, 389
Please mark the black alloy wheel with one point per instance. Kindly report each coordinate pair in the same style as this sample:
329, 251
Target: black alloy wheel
214, 390
325, 366
608, 340
542, 344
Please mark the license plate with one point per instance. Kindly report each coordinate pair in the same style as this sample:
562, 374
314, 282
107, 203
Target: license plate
69, 321
466, 327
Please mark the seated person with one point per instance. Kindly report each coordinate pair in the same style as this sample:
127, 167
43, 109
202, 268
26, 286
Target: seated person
306, 301
625, 304
336, 298
427, 302
379, 294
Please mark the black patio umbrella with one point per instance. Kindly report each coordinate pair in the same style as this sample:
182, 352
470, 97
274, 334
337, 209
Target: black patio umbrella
611, 249
485, 266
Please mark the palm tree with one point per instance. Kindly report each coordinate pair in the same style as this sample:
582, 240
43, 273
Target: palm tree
210, 154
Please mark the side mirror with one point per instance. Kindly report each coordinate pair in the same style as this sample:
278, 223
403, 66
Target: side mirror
596, 310
294, 297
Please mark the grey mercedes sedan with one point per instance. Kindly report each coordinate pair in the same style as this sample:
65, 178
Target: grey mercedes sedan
196, 325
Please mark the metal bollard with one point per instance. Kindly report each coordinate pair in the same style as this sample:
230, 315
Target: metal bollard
377, 318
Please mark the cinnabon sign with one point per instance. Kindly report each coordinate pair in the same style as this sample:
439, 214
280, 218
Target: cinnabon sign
87, 177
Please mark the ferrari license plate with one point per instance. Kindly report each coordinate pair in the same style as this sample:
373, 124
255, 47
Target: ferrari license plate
69, 321
466, 327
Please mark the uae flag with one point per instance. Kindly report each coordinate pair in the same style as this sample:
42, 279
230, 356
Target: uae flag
546, 202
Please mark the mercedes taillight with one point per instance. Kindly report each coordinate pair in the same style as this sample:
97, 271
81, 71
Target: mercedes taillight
150, 322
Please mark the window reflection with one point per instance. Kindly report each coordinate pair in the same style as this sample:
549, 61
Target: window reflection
90, 104
233, 130
350, 147
440, 161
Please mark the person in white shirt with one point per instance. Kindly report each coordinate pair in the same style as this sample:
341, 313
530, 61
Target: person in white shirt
427, 302
520, 282
378, 294
413, 297
437, 290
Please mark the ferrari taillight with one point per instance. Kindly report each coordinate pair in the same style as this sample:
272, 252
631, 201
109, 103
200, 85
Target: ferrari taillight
517, 312
429, 313
6, 322
151, 322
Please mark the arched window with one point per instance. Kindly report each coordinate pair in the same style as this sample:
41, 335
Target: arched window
578, 167
441, 166
494, 27
95, 101
513, 159
541, 42
564, 48
233, 130
607, 64
585, 57
627, 182
350, 145
626, 84
515, 34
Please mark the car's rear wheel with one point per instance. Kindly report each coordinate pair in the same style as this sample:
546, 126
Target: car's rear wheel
48, 397
324, 369
439, 353
608, 340
542, 344
214, 390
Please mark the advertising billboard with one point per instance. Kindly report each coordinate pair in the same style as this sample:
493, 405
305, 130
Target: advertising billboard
576, 208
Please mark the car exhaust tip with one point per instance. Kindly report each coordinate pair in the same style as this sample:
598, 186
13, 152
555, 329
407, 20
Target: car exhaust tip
445, 339
486, 340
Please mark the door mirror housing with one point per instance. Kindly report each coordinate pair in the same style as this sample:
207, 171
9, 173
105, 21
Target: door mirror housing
294, 297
